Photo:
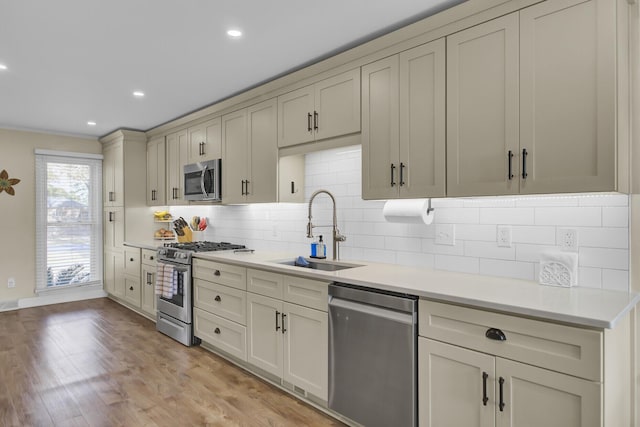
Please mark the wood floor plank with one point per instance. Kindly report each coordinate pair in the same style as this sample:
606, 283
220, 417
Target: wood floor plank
95, 363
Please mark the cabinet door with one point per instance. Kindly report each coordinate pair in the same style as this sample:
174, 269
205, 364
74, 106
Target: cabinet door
291, 179
156, 172
380, 129
109, 272
262, 185
482, 109
148, 302
451, 385
212, 148
568, 89
422, 121
295, 117
235, 154
196, 136
538, 397
113, 171
177, 157
118, 275
265, 333
337, 105
306, 348
132, 293
113, 228
132, 261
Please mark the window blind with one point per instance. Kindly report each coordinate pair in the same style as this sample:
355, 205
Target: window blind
68, 220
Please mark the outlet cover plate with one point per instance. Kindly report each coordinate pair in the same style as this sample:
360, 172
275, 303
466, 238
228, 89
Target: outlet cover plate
504, 236
446, 234
568, 239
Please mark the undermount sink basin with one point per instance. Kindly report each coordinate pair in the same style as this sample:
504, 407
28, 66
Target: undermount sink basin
319, 265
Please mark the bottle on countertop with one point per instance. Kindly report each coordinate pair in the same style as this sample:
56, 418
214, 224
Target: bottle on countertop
318, 249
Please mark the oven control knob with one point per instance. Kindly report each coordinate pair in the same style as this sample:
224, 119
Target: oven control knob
162, 252
182, 255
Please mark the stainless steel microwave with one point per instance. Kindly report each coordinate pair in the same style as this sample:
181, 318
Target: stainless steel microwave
202, 181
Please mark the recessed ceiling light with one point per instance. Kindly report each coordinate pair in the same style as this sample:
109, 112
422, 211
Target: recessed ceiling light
3, 67
138, 94
234, 33
90, 123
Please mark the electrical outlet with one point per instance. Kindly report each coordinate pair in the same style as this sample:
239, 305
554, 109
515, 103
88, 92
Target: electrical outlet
11, 283
504, 236
446, 234
568, 239
274, 230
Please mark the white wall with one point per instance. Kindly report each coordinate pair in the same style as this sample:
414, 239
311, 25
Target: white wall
602, 222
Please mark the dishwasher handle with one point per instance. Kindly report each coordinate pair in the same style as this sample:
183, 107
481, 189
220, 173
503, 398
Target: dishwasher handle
372, 310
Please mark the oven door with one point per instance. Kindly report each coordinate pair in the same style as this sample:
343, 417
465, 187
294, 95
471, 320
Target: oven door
179, 306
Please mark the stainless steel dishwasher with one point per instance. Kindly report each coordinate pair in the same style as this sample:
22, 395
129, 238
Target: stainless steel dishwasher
373, 356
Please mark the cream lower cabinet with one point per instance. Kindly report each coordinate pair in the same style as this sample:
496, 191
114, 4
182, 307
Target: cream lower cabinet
148, 302
530, 105
403, 124
132, 289
114, 273
530, 373
287, 339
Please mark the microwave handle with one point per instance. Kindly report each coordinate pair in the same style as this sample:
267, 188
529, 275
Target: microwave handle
204, 191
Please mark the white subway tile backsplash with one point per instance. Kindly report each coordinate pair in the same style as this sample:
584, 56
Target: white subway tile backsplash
602, 222
507, 216
516, 269
569, 216
604, 258
615, 217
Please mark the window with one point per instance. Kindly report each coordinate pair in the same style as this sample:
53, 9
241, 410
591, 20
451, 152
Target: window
68, 219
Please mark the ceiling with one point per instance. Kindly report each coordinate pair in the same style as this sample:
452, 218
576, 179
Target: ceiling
73, 61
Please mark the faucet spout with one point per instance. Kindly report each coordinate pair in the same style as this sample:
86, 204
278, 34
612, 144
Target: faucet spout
337, 237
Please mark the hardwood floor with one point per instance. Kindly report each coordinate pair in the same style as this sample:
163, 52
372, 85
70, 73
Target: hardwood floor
95, 363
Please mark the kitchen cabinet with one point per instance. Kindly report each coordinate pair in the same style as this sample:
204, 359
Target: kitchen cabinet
531, 373
285, 338
531, 106
114, 273
148, 302
205, 141
403, 124
177, 157
113, 225
326, 109
132, 290
113, 174
250, 154
219, 300
156, 186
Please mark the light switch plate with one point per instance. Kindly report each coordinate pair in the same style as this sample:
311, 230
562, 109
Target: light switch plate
446, 234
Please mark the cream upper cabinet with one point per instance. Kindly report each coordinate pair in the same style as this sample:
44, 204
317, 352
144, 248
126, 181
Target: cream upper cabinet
324, 110
403, 124
482, 109
530, 105
250, 154
205, 141
568, 96
177, 157
156, 172
113, 174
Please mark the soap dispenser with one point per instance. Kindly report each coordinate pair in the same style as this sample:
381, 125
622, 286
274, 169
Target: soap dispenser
322, 249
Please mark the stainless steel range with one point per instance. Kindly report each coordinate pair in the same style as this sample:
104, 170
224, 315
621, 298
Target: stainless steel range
174, 287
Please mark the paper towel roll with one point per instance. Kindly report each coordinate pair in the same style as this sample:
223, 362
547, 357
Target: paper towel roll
409, 211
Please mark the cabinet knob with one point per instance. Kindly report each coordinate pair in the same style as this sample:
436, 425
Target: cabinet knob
495, 334
131, 259
217, 298
151, 258
217, 331
130, 288
216, 273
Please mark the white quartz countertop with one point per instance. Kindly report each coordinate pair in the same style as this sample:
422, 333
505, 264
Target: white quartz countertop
150, 244
587, 307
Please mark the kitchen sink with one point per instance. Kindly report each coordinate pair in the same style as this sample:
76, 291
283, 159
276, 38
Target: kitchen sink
318, 265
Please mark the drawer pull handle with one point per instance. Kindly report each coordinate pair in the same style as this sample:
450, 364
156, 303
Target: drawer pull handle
485, 399
495, 334
216, 331
284, 316
217, 298
277, 326
501, 405
216, 273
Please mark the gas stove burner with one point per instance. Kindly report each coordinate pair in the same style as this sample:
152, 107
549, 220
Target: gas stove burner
204, 246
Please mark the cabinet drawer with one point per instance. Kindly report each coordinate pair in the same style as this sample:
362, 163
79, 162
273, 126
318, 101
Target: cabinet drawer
132, 261
309, 293
224, 274
149, 257
132, 290
221, 300
228, 336
561, 348
265, 283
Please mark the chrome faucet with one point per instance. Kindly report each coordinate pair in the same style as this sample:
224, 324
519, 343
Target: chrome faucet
337, 237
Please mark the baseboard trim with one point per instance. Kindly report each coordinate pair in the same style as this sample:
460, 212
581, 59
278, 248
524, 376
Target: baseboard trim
77, 294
